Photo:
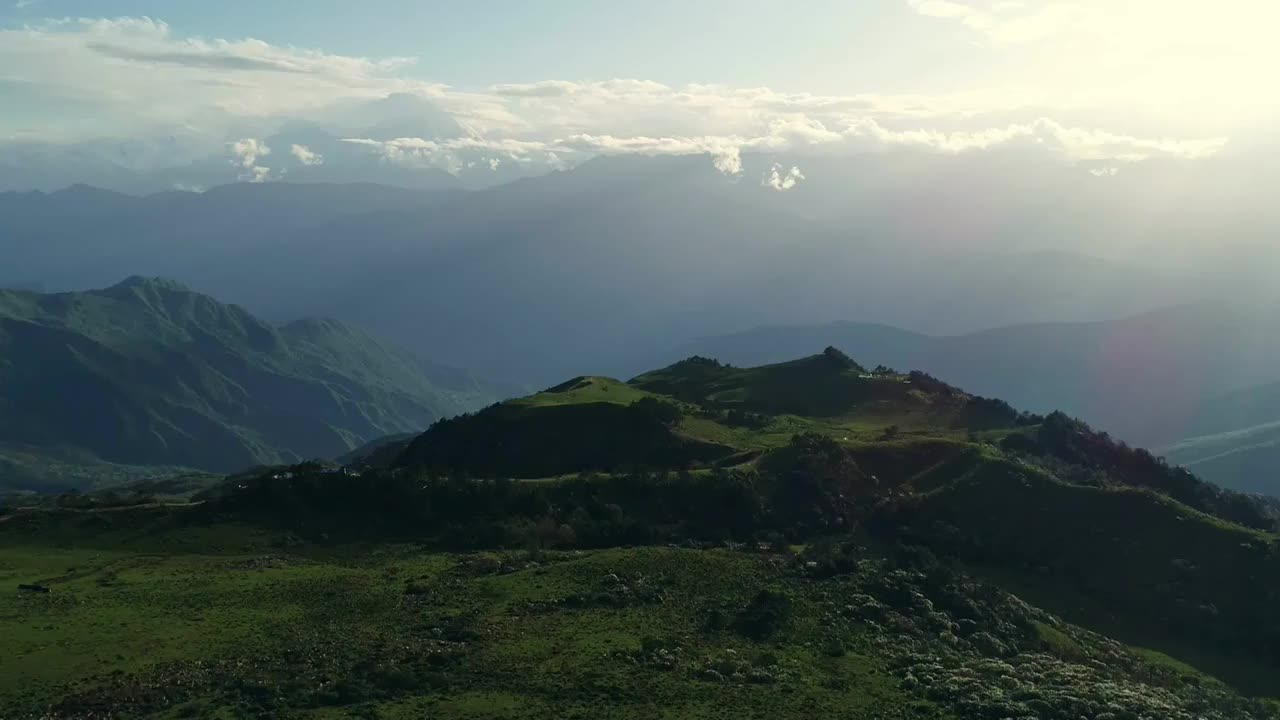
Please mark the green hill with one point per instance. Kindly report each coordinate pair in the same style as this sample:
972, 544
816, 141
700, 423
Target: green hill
149, 373
806, 539
699, 413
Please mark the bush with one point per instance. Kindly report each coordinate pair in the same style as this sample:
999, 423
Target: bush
765, 616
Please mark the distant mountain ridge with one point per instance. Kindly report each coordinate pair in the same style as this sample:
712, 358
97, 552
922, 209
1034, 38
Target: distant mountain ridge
573, 272
1148, 378
148, 372
1234, 440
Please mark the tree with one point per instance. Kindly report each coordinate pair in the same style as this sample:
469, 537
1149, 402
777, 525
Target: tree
658, 412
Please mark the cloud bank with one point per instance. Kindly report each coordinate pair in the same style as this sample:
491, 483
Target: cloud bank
136, 77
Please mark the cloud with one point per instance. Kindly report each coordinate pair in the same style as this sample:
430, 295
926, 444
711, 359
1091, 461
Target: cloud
245, 155
548, 88
305, 155
941, 8
24, 4
150, 42
1013, 23
454, 154
725, 152
859, 134
131, 75
782, 180
1110, 171
137, 78
247, 151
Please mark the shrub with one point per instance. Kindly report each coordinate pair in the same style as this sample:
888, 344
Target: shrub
765, 616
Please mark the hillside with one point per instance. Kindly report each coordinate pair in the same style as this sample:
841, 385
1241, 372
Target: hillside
148, 372
1151, 379
810, 538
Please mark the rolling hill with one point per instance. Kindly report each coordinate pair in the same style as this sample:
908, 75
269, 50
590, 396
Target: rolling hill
808, 538
1151, 379
147, 372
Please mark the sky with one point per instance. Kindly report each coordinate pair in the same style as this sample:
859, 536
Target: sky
1116, 80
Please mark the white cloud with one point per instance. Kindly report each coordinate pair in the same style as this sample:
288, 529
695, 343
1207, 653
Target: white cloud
780, 179
450, 154
24, 4
1110, 171
245, 155
306, 156
136, 73
858, 134
136, 76
247, 151
941, 8
725, 152
1010, 23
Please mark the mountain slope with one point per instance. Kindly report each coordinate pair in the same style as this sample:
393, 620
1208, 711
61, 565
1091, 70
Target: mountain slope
821, 444
817, 446
1146, 378
147, 372
808, 538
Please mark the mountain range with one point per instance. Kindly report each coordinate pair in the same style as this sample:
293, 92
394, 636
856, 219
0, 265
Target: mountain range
1235, 440
149, 373
594, 267
622, 263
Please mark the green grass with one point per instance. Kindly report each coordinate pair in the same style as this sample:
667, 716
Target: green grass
394, 631
585, 390
158, 618
117, 618
1107, 558
173, 612
820, 394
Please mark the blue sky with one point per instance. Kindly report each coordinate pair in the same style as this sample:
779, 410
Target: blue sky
829, 46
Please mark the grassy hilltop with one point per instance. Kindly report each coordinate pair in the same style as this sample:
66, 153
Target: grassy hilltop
809, 539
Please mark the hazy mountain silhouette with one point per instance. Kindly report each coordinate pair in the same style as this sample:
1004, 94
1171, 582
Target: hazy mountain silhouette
147, 372
1149, 378
589, 269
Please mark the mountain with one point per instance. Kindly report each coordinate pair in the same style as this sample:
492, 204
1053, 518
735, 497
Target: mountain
1147, 378
148, 372
700, 412
575, 272
810, 538
1234, 440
